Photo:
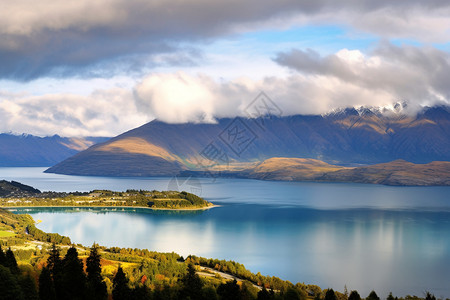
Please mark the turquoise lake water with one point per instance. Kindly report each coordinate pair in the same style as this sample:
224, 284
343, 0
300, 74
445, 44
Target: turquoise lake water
362, 236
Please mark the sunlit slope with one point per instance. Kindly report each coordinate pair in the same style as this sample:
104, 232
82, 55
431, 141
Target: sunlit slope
397, 172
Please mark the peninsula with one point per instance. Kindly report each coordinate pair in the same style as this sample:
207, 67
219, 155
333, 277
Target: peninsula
13, 194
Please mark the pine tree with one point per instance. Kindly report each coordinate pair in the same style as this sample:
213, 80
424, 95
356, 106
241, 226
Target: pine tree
55, 267
390, 297
9, 287
73, 277
28, 287
121, 291
354, 295
264, 294
229, 290
291, 294
96, 285
46, 287
2, 257
192, 284
430, 296
11, 262
373, 296
330, 295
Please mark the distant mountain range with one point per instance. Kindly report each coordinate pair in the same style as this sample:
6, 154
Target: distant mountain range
347, 137
34, 151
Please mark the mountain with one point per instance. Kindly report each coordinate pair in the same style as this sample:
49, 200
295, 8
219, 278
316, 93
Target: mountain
33, 151
347, 137
398, 172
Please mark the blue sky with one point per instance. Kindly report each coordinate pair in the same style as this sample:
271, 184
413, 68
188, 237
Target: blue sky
79, 68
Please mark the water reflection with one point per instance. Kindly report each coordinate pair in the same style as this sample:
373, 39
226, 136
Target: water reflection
400, 251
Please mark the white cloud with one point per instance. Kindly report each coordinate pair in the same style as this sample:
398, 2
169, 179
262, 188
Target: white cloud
103, 113
316, 85
104, 37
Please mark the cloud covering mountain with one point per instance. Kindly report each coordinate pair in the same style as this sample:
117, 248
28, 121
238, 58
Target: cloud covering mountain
100, 68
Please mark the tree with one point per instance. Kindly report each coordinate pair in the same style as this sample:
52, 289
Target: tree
292, 294
354, 296
430, 296
73, 277
390, 297
373, 296
9, 287
55, 267
29, 288
2, 257
330, 295
11, 262
46, 287
121, 291
229, 290
96, 285
191, 284
264, 294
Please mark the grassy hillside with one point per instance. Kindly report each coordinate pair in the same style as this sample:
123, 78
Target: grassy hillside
398, 172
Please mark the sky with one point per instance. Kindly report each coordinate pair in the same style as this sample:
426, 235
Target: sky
99, 68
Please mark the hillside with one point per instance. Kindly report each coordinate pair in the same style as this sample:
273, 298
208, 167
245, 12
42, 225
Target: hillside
16, 189
347, 137
34, 151
398, 172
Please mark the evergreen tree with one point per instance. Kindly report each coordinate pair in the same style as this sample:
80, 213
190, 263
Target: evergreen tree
330, 295
55, 267
121, 291
354, 296
229, 290
373, 296
96, 285
292, 294
73, 277
264, 294
2, 257
209, 293
46, 287
430, 296
191, 284
390, 297
9, 287
140, 293
11, 262
29, 288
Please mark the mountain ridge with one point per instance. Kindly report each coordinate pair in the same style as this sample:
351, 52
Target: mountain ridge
346, 138
27, 150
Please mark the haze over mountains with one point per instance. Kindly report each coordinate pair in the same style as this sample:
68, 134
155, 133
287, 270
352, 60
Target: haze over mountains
34, 151
348, 137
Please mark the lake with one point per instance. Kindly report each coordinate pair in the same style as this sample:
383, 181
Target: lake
362, 236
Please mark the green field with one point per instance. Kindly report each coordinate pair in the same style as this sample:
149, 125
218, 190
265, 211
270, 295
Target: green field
6, 234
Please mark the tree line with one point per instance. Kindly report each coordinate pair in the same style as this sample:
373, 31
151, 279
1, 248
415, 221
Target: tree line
158, 276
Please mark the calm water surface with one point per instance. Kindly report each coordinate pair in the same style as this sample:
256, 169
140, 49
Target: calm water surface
363, 236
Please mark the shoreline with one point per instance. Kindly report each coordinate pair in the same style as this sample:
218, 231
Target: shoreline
91, 206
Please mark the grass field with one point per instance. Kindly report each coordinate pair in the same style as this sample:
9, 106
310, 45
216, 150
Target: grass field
6, 234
